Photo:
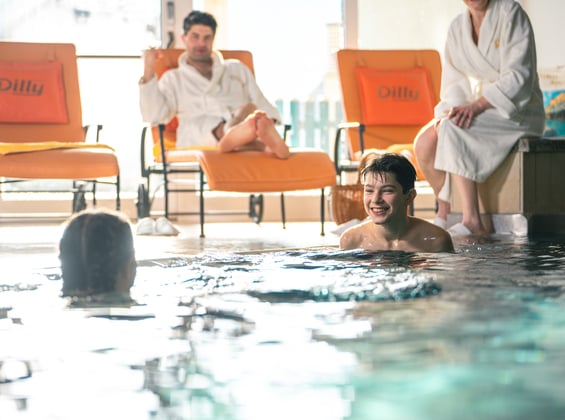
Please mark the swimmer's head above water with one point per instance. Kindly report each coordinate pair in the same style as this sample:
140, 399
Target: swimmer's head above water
97, 254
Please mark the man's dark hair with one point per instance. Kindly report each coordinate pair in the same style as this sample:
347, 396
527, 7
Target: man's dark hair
197, 17
395, 164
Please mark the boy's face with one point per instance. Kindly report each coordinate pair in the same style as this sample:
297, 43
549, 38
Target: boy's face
383, 197
199, 41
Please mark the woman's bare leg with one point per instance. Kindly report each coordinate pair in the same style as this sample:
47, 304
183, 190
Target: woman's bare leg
470, 204
425, 146
268, 134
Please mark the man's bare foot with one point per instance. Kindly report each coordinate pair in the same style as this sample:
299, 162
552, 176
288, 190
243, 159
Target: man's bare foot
239, 135
240, 115
268, 134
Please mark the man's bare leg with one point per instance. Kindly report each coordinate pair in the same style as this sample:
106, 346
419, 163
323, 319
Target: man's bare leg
239, 135
268, 134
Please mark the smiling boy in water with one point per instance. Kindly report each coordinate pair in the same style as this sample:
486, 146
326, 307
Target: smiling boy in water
388, 192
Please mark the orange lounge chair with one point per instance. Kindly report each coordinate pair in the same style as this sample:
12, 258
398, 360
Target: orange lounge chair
388, 95
41, 131
245, 171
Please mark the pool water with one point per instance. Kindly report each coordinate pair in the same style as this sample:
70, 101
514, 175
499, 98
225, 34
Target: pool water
312, 333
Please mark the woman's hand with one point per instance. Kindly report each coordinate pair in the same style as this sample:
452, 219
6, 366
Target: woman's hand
463, 115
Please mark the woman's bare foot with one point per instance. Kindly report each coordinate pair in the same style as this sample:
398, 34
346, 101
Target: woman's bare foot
443, 209
268, 134
477, 227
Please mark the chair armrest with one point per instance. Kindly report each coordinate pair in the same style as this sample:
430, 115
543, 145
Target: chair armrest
286, 129
145, 138
85, 129
162, 144
143, 151
341, 129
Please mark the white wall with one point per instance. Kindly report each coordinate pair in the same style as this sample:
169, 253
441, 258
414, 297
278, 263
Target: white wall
405, 23
423, 24
548, 19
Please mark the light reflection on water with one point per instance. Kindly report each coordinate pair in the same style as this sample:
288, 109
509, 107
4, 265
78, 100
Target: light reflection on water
314, 333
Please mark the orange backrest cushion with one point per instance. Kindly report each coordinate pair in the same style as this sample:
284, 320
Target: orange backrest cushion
384, 135
395, 97
32, 92
70, 130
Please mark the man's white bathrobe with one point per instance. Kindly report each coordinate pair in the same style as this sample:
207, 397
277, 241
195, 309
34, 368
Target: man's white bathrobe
502, 68
201, 104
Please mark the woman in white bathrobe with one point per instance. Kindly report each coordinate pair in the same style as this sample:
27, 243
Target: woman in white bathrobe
490, 97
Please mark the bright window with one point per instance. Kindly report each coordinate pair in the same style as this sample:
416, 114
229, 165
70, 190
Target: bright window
292, 42
101, 27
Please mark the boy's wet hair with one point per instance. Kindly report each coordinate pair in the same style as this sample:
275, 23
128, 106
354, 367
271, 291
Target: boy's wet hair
197, 17
94, 247
392, 163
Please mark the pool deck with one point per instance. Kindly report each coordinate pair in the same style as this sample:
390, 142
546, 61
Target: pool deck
34, 244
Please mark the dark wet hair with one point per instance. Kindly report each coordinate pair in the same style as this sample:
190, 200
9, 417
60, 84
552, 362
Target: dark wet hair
199, 18
94, 247
395, 164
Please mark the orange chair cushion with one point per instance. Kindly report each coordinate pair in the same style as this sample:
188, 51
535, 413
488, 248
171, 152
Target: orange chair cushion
183, 155
256, 171
8, 148
32, 92
71, 163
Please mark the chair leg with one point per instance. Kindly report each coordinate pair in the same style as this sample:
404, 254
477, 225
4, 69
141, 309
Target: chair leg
143, 205
201, 203
283, 211
166, 189
322, 211
256, 206
79, 200
118, 198
149, 195
94, 202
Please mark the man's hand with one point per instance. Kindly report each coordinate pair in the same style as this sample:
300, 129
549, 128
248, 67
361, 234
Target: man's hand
149, 58
219, 130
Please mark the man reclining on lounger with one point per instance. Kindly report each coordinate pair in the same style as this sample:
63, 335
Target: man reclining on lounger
217, 101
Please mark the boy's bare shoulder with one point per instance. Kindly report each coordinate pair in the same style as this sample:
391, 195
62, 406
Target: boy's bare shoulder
352, 237
433, 238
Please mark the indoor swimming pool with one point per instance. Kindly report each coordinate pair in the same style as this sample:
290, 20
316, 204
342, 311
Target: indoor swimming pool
313, 333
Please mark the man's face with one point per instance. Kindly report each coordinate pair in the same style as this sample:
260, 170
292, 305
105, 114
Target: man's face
383, 197
199, 41
477, 5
